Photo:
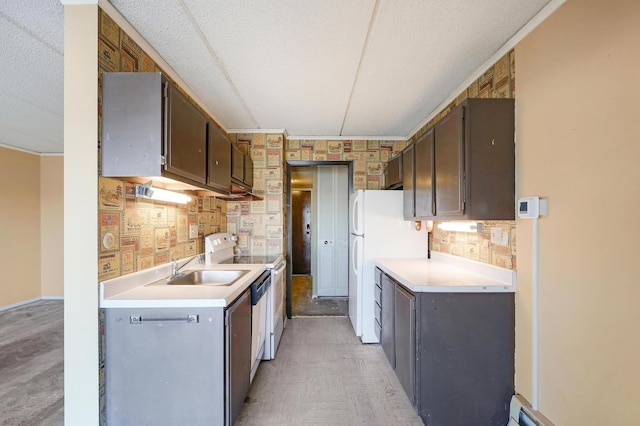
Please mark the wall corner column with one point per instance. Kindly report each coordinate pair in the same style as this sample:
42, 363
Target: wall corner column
81, 393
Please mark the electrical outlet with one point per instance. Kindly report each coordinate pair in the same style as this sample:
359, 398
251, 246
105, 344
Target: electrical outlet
193, 231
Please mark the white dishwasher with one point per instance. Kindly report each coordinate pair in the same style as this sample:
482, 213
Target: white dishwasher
259, 290
219, 249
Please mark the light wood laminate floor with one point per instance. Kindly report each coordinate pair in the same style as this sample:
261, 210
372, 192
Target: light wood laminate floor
323, 375
31, 365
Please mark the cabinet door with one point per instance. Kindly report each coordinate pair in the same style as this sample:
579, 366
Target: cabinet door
423, 153
238, 361
387, 334
185, 137
393, 173
237, 163
248, 171
408, 183
405, 340
219, 153
449, 164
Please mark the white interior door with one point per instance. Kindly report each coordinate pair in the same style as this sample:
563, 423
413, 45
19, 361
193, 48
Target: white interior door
333, 231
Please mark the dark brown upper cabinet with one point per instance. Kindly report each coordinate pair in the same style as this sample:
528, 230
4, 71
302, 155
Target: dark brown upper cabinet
185, 137
219, 157
393, 173
248, 170
423, 158
238, 183
418, 174
449, 164
150, 129
408, 183
464, 166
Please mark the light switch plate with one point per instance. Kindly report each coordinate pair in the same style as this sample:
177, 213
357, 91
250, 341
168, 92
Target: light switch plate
193, 231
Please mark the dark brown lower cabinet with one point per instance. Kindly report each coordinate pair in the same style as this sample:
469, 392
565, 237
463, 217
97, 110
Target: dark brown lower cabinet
405, 340
453, 354
387, 332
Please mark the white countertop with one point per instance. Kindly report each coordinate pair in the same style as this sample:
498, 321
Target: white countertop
449, 274
133, 291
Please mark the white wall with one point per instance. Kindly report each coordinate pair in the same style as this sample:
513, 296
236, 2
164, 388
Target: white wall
577, 143
81, 398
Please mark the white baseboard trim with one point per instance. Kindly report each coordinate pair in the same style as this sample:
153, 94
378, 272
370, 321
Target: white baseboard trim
26, 302
52, 298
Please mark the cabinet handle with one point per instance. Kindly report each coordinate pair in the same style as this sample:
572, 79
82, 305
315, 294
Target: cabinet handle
189, 319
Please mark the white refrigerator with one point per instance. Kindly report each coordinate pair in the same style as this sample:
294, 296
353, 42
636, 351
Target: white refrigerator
377, 230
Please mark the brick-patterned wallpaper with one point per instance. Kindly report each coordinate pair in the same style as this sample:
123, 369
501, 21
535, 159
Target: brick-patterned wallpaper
136, 234
497, 82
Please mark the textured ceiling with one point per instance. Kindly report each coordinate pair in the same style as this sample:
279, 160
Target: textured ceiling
31, 66
330, 68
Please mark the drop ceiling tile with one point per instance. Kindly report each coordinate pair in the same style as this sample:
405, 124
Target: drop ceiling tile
168, 29
23, 117
43, 19
420, 52
32, 95
293, 62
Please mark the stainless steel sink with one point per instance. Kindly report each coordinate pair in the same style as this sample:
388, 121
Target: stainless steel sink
214, 278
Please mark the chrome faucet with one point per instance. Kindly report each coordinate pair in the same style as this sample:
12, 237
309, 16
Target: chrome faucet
174, 267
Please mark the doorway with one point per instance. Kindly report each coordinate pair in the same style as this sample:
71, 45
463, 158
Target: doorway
317, 209
301, 229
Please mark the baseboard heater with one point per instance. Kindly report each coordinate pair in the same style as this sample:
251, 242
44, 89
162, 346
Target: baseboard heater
522, 414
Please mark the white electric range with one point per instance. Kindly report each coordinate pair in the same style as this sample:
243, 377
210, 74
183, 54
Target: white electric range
219, 249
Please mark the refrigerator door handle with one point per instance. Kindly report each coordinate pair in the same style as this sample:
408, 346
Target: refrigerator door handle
354, 213
354, 250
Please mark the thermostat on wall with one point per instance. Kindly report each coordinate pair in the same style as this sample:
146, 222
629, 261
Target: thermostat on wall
529, 207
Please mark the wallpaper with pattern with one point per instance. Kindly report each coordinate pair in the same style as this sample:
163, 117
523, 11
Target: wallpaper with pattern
260, 224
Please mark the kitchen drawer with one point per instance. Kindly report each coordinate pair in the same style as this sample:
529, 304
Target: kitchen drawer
377, 310
378, 276
377, 327
377, 293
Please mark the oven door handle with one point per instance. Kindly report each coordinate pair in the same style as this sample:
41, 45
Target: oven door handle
280, 268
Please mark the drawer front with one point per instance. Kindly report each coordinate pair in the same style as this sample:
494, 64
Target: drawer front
377, 328
377, 294
378, 312
378, 276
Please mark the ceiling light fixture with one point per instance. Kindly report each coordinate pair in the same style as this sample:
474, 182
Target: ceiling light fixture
461, 226
147, 191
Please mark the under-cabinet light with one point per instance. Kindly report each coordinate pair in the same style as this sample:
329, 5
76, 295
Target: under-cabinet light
461, 226
147, 191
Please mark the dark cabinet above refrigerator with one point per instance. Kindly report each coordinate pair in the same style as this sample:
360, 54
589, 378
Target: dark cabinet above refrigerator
393, 173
